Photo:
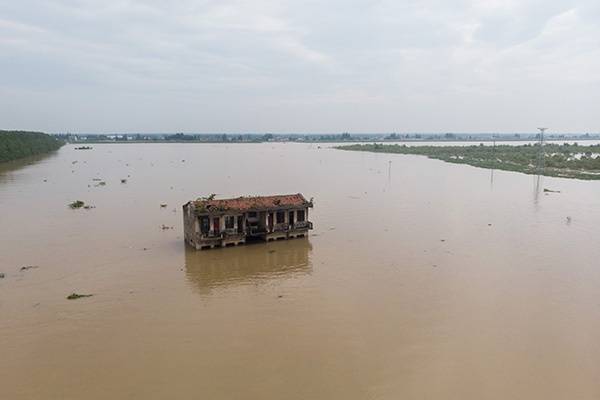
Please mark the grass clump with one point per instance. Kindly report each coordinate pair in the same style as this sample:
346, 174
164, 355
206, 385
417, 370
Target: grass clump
75, 296
76, 204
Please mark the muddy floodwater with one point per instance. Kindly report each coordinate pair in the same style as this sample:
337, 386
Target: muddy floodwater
421, 279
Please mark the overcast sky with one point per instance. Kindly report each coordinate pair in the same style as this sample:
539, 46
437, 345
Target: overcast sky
300, 66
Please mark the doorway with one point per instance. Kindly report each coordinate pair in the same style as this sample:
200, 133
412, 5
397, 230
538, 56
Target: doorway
240, 224
217, 226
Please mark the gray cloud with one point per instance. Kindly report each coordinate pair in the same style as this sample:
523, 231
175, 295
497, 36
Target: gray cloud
299, 66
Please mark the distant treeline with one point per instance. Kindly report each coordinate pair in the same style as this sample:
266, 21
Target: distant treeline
310, 137
19, 144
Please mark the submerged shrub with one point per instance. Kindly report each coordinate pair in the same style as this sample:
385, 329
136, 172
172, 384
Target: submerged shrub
77, 204
75, 296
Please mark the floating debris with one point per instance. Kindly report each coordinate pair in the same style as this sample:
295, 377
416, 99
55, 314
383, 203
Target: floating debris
75, 296
88, 207
163, 206
2, 275
568, 220
101, 183
74, 162
83, 148
123, 180
76, 204
165, 227
29, 267
96, 179
551, 191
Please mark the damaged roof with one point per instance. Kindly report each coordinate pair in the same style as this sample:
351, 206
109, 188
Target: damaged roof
251, 203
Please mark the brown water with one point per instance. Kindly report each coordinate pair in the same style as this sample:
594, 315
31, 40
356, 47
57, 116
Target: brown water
403, 290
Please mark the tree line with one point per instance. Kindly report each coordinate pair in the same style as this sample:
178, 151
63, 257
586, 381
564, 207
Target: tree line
19, 144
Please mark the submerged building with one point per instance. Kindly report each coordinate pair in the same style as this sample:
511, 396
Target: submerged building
210, 222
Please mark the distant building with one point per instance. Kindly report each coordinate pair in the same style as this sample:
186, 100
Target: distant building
210, 223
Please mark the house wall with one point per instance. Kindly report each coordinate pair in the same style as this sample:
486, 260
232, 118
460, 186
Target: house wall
222, 222
287, 215
191, 226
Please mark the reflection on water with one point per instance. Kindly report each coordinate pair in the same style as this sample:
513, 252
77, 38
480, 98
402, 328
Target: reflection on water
537, 188
7, 168
249, 264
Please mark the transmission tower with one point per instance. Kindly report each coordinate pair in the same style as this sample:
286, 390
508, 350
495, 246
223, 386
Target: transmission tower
541, 154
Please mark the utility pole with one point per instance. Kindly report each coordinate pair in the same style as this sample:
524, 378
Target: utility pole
541, 154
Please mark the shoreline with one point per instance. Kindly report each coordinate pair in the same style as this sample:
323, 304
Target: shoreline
560, 161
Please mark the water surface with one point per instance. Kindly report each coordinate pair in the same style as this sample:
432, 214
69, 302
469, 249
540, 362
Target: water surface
422, 279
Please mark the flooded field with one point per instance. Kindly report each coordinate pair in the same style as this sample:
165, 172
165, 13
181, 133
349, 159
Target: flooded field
421, 279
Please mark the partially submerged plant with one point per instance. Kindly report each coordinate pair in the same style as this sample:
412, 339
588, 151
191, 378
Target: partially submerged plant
75, 296
77, 204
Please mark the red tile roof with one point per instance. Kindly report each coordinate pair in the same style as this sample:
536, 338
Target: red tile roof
250, 203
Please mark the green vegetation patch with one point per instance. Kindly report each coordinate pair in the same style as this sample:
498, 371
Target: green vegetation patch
75, 296
76, 204
20, 144
560, 160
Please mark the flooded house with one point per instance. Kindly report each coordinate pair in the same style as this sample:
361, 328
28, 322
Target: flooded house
210, 222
